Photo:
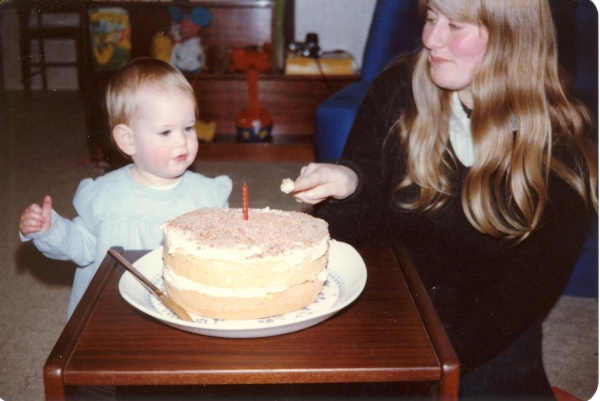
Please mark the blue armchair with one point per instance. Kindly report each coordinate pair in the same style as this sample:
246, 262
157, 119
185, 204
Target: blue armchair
577, 34
395, 29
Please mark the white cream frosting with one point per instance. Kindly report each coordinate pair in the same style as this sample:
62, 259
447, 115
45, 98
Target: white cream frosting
291, 257
183, 283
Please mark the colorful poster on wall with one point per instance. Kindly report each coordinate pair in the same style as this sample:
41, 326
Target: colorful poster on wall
110, 36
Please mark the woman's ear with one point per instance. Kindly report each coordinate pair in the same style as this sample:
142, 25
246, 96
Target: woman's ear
123, 136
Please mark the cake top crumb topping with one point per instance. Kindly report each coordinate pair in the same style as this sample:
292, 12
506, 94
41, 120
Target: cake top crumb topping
268, 232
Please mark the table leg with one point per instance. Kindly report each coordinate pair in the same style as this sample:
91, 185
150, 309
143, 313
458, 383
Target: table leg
54, 367
450, 374
53, 382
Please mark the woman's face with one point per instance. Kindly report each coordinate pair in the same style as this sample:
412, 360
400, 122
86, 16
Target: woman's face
455, 52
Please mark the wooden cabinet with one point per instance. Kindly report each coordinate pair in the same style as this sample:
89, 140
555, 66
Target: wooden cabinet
291, 100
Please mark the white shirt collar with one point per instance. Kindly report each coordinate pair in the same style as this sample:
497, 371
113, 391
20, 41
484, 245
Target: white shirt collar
460, 132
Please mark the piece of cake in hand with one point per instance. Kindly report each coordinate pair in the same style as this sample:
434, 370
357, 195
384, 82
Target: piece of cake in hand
287, 185
218, 265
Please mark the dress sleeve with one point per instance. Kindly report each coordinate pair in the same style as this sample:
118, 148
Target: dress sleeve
223, 188
66, 240
73, 239
205, 191
70, 239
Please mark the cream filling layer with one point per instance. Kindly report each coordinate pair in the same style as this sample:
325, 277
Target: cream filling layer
185, 284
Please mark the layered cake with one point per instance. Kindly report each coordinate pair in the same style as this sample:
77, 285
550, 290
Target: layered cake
218, 265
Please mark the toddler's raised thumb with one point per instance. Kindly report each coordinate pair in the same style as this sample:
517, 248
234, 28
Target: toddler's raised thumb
47, 205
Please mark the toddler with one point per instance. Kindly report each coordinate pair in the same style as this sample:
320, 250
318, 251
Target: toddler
152, 111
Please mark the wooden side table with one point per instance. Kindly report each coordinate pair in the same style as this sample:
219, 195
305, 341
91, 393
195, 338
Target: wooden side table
389, 335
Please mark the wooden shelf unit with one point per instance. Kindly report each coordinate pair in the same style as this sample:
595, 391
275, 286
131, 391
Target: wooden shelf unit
291, 100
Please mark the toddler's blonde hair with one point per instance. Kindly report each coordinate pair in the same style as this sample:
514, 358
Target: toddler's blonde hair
122, 92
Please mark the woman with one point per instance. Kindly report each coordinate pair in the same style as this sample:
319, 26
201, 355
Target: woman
475, 156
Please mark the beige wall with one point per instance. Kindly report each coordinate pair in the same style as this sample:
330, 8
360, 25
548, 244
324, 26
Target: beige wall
341, 25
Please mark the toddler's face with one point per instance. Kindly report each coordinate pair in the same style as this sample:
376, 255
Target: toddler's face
164, 135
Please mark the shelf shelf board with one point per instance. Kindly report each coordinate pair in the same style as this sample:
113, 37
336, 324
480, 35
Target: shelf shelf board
256, 152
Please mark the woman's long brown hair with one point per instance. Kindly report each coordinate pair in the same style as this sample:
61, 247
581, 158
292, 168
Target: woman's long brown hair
505, 190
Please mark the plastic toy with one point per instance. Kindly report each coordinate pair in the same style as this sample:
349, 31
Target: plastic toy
253, 123
206, 131
162, 47
187, 53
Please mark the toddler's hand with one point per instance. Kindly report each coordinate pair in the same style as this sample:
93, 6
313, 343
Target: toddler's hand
36, 218
318, 182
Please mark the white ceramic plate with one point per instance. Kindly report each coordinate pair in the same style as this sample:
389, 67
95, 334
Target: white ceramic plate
347, 276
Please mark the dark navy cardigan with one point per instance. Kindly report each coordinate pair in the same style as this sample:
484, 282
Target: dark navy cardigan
486, 291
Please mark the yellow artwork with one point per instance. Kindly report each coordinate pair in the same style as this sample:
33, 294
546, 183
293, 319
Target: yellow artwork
110, 36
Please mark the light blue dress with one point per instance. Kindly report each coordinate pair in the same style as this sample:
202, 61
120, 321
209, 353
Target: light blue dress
115, 210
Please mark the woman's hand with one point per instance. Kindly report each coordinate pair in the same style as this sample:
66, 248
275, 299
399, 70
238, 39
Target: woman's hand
37, 218
318, 182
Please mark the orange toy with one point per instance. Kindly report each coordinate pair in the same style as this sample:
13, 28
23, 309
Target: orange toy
253, 123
